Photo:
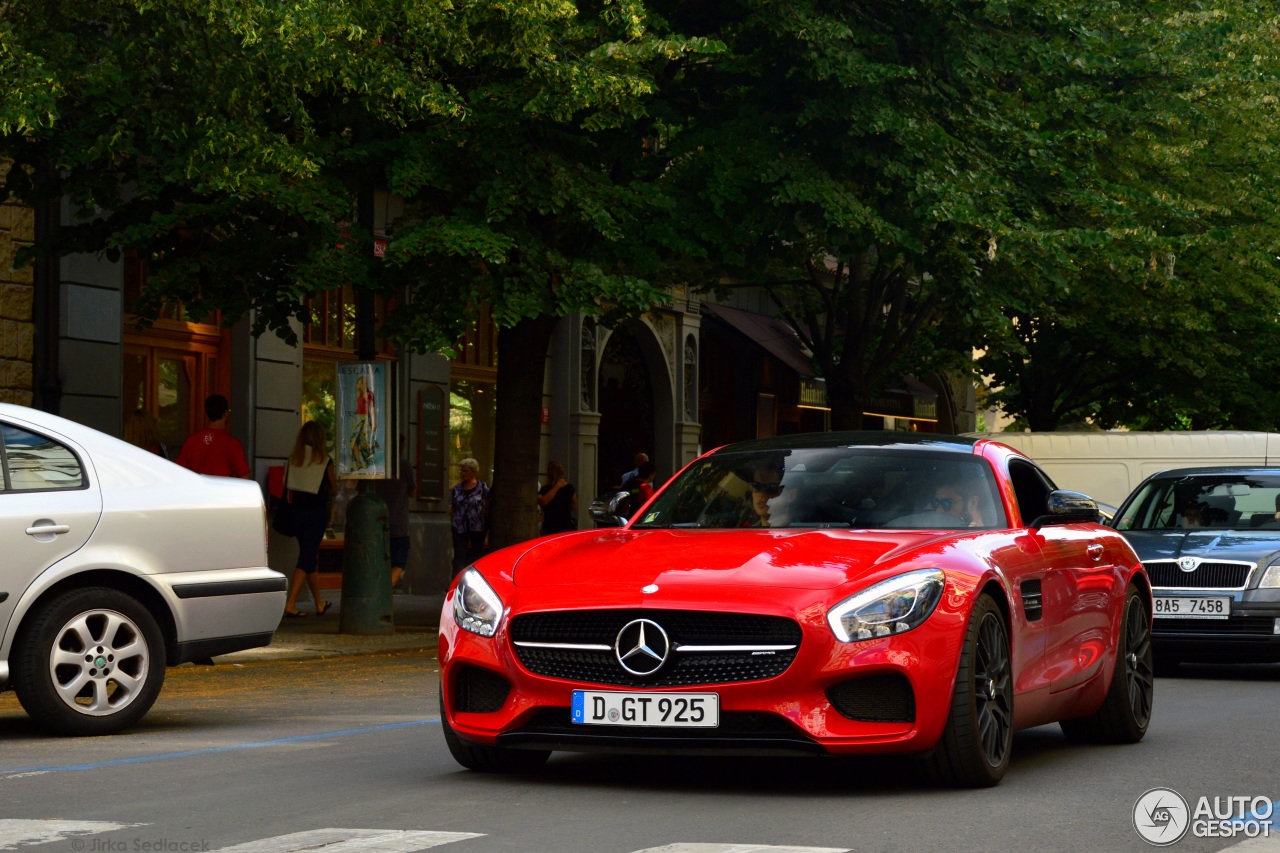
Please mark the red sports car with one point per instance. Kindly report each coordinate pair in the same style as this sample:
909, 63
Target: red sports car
824, 594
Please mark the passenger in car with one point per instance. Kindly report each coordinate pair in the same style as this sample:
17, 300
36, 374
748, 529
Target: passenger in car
960, 498
1193, 515
766, 486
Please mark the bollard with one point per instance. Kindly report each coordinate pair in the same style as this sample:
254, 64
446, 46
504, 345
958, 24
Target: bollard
366, 567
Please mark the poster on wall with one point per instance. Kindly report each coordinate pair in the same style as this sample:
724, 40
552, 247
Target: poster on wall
363, 420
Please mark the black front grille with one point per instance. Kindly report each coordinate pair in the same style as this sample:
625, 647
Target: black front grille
1235, 626
1165, 573
885, 697
683, 627
479, 691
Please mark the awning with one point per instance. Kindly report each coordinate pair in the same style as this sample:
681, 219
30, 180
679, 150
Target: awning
770, 334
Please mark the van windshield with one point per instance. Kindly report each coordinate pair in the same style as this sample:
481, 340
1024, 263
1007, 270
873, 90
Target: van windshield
1212, 501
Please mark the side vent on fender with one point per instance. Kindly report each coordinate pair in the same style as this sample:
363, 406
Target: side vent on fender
1031, 603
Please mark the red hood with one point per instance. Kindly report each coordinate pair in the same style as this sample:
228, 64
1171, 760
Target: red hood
804, 559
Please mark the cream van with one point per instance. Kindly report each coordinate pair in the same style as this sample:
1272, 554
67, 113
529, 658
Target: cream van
1106, 466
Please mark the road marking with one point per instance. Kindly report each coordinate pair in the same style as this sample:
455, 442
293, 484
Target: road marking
352, 841
213, 750
22, 833
686, 847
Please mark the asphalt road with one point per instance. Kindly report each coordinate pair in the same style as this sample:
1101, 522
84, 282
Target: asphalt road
345, 754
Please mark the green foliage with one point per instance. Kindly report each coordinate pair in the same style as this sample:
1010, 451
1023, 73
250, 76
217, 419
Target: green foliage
229, 143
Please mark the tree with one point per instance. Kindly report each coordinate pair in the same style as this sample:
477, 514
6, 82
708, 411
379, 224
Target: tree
230, 143
906, 177
1153, 303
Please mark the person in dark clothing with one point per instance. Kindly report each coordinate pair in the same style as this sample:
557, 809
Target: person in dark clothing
558, 501
310, 484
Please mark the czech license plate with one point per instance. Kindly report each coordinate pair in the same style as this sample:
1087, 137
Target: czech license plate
1193, 608
619, 708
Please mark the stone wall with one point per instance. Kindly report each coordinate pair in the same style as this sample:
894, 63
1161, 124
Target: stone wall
17, 331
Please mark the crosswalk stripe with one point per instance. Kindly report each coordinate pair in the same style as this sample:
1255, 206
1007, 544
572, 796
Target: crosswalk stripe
739, 848
20, 833
351, 841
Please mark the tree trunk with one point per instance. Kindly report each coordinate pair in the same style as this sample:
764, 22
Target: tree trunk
848, 402
522, 359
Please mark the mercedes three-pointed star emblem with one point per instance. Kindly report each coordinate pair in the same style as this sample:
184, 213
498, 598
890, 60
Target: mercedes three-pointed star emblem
642, 647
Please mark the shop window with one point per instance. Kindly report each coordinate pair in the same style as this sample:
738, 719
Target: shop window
172, 364
472, 414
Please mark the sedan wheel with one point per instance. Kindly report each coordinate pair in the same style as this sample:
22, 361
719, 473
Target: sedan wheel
90, 662
978, 739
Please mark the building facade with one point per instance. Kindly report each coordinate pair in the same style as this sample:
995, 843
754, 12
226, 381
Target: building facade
685, 377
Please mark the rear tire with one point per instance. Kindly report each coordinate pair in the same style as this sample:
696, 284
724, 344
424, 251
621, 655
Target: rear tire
978, 738
90, 662
489, 759
1126, 711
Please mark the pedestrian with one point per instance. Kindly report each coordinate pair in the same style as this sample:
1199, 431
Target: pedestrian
213, 450
558, 501
310, 482
628, 479
468, 515
140, 430
643, 482
396, 493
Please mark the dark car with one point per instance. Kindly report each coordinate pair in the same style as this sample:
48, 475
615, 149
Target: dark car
1210, 541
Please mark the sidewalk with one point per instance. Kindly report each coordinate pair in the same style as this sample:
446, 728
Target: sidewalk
416, 618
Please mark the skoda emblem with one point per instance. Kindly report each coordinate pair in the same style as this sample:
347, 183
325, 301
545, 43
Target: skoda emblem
642, 647
1188, 564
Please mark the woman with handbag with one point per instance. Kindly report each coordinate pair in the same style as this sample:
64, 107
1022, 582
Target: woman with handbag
309, 485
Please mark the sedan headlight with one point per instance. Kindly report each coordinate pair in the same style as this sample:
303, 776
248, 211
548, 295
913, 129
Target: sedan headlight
1270, 578
476, 607
890, 607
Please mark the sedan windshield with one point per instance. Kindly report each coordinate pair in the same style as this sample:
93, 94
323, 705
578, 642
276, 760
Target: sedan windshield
1214, 501
842, 487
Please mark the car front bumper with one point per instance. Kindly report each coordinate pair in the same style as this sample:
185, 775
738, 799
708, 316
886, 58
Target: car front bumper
884, 695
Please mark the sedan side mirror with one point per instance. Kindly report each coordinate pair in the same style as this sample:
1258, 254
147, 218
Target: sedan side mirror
1066, 507
606, 510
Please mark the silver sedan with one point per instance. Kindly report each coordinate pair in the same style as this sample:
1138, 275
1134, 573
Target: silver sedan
117, 563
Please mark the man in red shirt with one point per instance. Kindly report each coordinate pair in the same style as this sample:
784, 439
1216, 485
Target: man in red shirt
213, 450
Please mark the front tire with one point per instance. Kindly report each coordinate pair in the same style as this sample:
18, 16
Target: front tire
1126, 711
978, 738
90, 662
489, 759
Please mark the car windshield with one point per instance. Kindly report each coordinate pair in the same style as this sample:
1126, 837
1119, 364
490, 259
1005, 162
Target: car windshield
1213, 501
842, 487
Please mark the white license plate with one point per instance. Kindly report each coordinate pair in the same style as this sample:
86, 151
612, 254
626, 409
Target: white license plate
619, 708
1193, 608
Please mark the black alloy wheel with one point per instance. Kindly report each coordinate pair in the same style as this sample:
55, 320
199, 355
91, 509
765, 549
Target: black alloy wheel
993, 689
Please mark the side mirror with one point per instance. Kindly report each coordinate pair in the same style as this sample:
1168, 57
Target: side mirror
1065, 507
606, 510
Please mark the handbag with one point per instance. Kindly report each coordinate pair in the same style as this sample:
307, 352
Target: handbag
283, 521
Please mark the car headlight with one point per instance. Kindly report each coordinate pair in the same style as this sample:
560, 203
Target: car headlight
890, 607
476, 607
1270, 578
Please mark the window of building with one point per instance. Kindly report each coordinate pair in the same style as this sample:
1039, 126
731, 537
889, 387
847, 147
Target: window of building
171, 365
473, 398
329, 339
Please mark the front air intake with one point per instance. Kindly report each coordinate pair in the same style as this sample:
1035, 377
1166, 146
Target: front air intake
479, 691
886, 697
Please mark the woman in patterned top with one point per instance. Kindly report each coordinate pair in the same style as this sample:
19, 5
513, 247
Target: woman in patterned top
468, 515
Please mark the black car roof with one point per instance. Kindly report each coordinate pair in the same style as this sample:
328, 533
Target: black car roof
1216, 471
863, 438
